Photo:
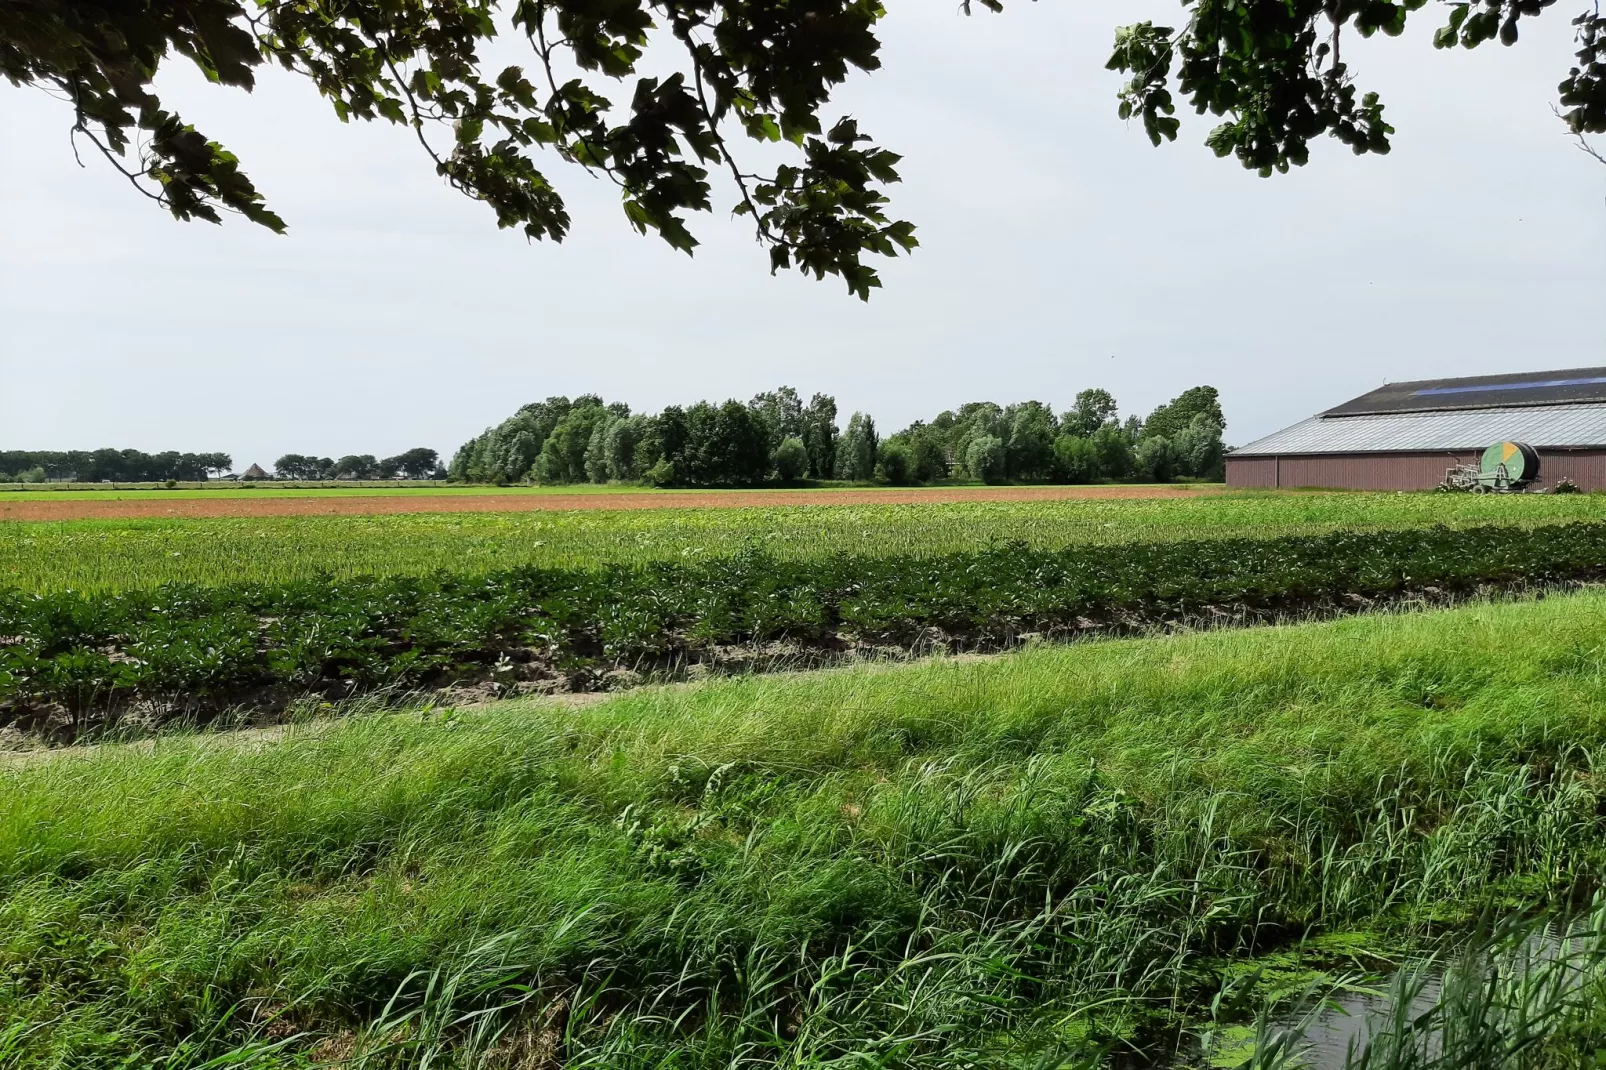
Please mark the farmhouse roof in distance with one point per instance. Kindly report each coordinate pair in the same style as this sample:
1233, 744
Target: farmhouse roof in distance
1573, 386
254, 472
1556, 409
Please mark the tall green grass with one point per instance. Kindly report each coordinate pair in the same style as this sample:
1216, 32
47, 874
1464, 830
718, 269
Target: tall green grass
1007, 862
113, 555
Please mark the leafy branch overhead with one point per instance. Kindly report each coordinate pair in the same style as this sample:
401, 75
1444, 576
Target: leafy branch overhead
1274, 70
746, 71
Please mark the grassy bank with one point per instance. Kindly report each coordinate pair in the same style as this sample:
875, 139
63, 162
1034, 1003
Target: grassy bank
943, 864
129, 554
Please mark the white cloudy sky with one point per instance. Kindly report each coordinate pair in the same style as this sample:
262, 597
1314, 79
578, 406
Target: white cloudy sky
1059, 251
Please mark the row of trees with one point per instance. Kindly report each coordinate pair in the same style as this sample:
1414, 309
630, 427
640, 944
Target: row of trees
557, 440
117, 466
775, 436
419, 463
1028, 442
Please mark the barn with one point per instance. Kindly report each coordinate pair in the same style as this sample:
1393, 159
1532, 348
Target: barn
1406, 436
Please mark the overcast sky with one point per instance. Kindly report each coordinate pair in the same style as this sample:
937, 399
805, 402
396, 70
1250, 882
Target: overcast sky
1059, 251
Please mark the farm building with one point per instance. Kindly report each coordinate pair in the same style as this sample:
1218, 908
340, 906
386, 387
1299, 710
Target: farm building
1407, 436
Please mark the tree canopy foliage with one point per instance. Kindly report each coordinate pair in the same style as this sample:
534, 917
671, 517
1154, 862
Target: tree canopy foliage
418, 463
1028, 442
117, 466
743, 69
775, 437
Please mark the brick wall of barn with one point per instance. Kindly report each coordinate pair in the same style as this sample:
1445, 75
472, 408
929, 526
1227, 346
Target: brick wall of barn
1400, 471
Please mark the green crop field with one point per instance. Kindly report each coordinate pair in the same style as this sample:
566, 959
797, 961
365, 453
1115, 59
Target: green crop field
76, 662
107, 555
1026, 861
399, 489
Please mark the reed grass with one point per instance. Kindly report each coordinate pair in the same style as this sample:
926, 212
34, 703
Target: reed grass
1020, 861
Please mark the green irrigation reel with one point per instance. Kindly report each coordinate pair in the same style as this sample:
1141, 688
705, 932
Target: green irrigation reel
1502, 468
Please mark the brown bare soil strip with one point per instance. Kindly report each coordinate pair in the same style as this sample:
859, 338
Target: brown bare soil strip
125, 509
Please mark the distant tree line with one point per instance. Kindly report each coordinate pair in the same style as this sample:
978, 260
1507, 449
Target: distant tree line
420, 463
776, 437
117, 466
1028, 442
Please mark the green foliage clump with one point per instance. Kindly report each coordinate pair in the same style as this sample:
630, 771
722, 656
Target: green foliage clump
1155, 460
895, 463
1076, 459
856, 453
791, 460
111, 466
587, 440
984, 459
559, 442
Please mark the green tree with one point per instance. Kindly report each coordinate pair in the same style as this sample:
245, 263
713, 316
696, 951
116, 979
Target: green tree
563, 455
780, 413
820, 435
661, 454
1113, 447
928, 451
1155, 460
596, 460
622, 446
417, 463
1093, 409
355, 466
1178, 413
1029, 448
984, 458
1199, 451
856, 454
507, 452
297, 466
895, 462
1076, 459
790, 460
725, 444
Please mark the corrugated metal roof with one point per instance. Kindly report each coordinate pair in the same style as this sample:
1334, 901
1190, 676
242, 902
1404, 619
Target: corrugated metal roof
1542, 426
1570, 385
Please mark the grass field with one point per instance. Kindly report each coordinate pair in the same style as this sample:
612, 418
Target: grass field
126, 554
226, 491
975, 863
85, 492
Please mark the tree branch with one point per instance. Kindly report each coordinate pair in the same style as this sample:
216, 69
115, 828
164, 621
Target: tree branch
81, 126
764, 235
543, 49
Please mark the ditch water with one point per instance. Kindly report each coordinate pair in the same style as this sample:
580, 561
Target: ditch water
1346, 1024
1560, 957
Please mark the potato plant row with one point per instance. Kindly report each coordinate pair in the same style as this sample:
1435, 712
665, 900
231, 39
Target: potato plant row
198, 647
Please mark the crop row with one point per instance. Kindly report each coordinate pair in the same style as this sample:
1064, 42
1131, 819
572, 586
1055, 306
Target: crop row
197, 647
111, 555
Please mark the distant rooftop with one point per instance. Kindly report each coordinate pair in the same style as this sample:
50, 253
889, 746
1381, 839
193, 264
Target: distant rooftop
1542, 426
1567, 387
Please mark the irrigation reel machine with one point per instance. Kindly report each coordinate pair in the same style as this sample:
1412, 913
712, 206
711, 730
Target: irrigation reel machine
1504, 468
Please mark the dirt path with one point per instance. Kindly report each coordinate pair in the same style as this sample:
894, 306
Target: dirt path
240, 505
